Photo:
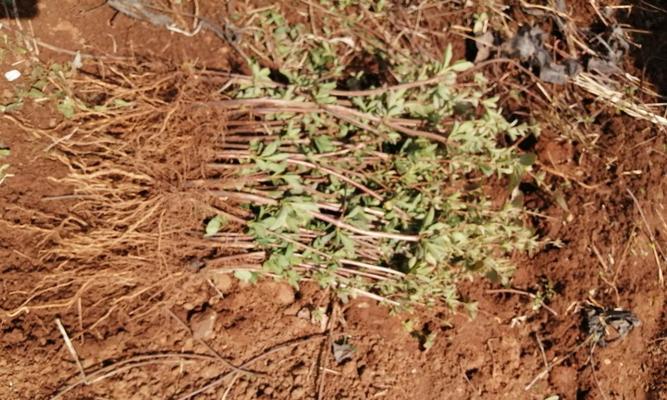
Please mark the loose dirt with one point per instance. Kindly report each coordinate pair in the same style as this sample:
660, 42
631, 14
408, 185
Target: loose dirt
145, 343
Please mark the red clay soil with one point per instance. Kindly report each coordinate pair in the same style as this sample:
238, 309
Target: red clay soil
160, 350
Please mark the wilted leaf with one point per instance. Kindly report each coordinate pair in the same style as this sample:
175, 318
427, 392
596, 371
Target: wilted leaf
429, 341
471, 308
66, 107
342, 351
36, 93
77, 61
484, 44
121, 103
560, 200
553, 73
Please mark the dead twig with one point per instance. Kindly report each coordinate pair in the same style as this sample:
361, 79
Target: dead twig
555, 172
544, 356
72, 351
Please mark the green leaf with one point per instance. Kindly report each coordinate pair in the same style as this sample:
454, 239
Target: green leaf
294, 182
277, 157
270, 149
427, 188
448, 56
35, 93
214, 225
347, 242
514, 180
324, 144
245, 276
274, 167
66, 107
323, 94
408, 325
293, 278
429, 219
461, 66
259, 73
493, 276
528, 159
280, 221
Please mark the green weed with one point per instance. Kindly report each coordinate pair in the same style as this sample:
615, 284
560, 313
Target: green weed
380, 192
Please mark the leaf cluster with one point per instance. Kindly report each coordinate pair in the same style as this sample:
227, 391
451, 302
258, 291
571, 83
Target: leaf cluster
356, 202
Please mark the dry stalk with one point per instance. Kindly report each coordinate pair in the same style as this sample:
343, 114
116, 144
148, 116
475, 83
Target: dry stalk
593, 85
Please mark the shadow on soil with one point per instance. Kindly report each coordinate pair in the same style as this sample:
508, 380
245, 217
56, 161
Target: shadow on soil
18, 8
651, 57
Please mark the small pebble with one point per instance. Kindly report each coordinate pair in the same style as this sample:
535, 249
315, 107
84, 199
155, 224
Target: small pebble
188, 345
298, 392
365, 375
223, 282
284, 294
363, 304
350, 369
304, 313
300, 370
203, 324
293, 310
12, 75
